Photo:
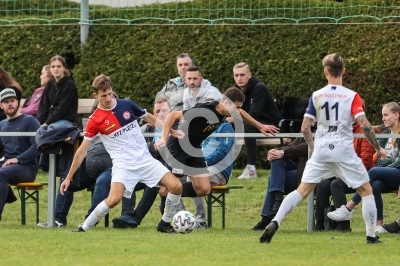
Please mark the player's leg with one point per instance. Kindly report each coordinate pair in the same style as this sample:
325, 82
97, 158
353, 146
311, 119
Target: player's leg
114, 197
313, 174
196, 169
174, 187
353, 173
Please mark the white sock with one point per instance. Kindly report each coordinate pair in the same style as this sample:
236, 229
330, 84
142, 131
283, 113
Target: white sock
200, 211
288, 204
171, 205
369, 214
97, 214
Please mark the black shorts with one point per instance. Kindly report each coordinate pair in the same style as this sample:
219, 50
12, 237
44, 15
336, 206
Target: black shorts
181, 163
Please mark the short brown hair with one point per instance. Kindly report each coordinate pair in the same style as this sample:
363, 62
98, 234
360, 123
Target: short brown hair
334, 64
234, 94
102, 83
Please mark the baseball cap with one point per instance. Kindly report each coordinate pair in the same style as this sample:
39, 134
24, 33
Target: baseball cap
7, 93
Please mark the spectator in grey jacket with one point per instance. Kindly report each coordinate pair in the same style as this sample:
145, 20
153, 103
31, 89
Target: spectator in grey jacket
173, 90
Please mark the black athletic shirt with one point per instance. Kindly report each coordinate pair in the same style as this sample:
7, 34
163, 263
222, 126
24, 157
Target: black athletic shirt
199, 122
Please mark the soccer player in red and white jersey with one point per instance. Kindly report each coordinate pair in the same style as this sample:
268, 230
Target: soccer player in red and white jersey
115, 122
332, 151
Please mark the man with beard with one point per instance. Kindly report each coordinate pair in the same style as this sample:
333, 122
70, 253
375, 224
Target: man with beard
20, 153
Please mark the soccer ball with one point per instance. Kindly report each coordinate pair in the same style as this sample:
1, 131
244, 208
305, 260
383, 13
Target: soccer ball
183, 222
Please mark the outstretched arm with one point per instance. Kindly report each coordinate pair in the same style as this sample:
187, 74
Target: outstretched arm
263, 128
370, 134
153, 120
167, 128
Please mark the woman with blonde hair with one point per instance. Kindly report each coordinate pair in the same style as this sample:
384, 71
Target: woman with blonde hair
31, 105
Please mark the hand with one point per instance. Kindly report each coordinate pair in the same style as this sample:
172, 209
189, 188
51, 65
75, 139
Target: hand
179, 134
274, 155
159, 143
64, 186
43, 125
383, 153
10, 161
269, 129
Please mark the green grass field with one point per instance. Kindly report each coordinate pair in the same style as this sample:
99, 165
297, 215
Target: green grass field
235, 245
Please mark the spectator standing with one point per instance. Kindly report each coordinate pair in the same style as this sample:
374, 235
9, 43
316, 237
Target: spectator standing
260, 104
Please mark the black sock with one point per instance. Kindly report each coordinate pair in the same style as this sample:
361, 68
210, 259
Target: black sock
265, 220
278, 195
188, 190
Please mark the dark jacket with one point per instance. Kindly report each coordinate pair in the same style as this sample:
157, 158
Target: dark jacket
260, 104
297, 150
59, 101
62, 141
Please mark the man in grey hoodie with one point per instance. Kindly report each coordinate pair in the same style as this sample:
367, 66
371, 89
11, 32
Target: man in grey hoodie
199, 90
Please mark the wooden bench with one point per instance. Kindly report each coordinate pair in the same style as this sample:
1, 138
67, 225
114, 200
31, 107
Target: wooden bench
107, 217
262, 142
28, 191
85, 107
216, 199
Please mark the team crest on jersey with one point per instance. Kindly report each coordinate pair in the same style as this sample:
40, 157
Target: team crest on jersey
126, 115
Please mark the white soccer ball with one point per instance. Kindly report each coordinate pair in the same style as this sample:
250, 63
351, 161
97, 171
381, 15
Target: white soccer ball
183, 222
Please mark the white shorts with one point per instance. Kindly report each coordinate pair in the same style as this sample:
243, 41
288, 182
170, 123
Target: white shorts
352, 172
149, 172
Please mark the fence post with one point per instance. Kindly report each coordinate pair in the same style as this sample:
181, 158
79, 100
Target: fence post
84, 21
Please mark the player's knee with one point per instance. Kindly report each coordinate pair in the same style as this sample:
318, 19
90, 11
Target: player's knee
112, 201
203, 191
175, 188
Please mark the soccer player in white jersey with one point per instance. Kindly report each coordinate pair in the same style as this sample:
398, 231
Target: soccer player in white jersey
115, 122
332, 151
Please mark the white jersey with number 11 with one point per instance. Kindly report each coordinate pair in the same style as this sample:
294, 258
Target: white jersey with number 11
334, 106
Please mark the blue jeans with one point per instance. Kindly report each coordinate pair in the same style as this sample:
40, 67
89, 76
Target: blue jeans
383, 180
101, 189
283, 177
64, 202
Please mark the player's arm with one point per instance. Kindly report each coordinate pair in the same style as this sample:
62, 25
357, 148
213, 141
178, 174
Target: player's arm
306, 130
153, 120
370, 134
167, 129
263, 128
77, 161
